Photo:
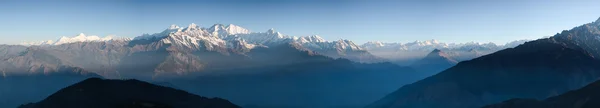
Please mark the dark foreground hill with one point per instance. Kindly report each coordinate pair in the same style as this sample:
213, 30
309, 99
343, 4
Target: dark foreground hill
586, 97
100, 93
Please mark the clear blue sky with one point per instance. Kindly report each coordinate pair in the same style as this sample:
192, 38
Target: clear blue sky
496, 21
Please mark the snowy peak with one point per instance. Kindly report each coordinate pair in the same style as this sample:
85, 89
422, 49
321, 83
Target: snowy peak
222, 30
313, 38
347, 45
78, 38
47, 42
271, 31
234, 29
374, 44
192, 27
429, 42
173, 26
81, 35
81, 38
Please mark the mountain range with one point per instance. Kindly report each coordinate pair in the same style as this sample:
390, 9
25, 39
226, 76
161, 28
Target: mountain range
194, 58
231, 35
408, 53
231, 62
537, 69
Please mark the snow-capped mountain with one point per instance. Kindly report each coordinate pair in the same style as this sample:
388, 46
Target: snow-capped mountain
46, 42
79, 38
185, 50
406, 53
232, 36
429, 45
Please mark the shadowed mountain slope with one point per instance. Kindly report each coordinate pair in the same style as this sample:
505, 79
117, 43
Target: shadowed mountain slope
586, 97
536, 69
99, 93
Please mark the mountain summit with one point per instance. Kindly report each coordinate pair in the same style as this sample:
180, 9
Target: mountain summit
438, 54
434, 62
99, 93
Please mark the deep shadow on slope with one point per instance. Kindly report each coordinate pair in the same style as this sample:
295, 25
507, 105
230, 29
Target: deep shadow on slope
537, 69
99, 93
586, 97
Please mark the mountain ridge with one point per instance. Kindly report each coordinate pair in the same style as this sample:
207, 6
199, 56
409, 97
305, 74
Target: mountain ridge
125, 93
536, 69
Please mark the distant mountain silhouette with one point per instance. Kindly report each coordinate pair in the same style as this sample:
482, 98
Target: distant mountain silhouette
586, 97
536, 69
434, 62
16, 89
100, 93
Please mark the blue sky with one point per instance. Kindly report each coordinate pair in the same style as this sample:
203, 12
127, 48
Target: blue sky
496, 21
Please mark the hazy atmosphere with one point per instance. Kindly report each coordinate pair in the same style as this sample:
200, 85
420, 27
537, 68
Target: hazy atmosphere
299, 54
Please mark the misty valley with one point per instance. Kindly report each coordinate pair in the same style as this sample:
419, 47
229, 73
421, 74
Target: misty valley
303, 54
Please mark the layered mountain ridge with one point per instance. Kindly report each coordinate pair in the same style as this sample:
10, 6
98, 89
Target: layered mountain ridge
408, 53
537, 69
196, 58
179, 46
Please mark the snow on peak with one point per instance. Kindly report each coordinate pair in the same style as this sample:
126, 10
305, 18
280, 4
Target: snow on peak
173, 26
347, 44
78, 38
374, 44
81, 35
427, 42
172, 29
81, 38
223, 31
192, 27
234, 29
46, 42
271, 31
307, 39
